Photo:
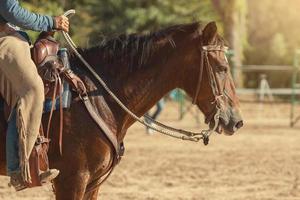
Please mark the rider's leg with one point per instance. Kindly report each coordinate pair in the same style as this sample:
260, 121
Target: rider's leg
12, 153
22, 87
12, 156
12, 141
159, 107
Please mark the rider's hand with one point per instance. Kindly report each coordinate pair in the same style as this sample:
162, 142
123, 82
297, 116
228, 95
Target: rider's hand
61, 23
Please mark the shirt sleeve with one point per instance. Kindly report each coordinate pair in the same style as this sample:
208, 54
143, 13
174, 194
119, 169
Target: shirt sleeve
12, 12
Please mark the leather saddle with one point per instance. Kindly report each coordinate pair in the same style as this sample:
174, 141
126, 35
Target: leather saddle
51, 67
53, 72
44, 55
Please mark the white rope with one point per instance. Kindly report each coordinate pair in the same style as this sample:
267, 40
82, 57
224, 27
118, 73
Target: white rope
185, 135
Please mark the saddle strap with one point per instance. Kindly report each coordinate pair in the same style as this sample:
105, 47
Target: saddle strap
61, 115
103, 126
58, 84
78, 85
52, 107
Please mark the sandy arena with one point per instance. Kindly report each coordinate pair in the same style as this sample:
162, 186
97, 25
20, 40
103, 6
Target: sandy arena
261, 162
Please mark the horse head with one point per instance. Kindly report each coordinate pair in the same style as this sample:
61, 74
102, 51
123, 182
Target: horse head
208, 80
182, 56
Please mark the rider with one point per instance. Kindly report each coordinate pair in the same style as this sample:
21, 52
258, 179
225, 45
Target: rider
22, 88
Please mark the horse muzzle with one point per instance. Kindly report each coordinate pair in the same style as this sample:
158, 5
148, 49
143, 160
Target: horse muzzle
230, 122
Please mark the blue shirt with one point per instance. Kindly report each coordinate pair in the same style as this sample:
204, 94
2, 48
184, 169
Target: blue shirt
12, 12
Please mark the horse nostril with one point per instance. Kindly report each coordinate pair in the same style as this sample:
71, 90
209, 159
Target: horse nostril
239, 124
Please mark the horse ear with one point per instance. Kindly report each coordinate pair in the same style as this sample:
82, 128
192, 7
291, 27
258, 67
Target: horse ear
210, 32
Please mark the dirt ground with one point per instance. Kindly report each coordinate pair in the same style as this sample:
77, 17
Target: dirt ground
260, 162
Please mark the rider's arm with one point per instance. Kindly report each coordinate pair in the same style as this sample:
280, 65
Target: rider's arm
13, 13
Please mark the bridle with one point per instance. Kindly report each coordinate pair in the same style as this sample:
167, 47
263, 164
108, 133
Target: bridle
214, 83
164, 129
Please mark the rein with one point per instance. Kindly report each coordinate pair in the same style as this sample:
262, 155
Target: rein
175, 133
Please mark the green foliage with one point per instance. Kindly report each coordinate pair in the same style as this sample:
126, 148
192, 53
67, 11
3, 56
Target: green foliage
274, 35
131, 16
42, 7
111, 17
233, 14
274, 31
269, 30
97, 18
278, 47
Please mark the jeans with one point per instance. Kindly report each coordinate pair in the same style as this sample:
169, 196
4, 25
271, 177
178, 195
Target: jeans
159, 107
12, 145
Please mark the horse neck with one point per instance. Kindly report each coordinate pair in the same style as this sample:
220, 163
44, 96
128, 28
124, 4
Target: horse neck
143, 89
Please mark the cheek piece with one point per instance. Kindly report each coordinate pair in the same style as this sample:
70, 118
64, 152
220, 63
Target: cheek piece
214, 83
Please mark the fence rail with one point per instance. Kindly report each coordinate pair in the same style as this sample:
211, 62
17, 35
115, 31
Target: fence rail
273, 91
248, 68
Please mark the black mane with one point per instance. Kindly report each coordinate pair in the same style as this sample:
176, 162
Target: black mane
135, 50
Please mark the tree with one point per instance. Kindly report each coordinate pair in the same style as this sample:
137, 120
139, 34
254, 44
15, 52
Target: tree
43, 7
95, 18
233, 14
273, 36
117, 16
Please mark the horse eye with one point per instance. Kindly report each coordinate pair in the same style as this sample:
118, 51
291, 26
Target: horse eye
222, 67
226, 69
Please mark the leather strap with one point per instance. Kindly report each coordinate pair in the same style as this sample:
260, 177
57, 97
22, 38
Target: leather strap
102, 125
58, 85
199, 78
75, 82
52, 108
80, 88
61, 115
213, 81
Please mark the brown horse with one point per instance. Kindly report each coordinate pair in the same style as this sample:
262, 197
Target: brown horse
139, 70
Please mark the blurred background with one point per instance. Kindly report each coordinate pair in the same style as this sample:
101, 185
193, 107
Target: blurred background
259, 32
262, 161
